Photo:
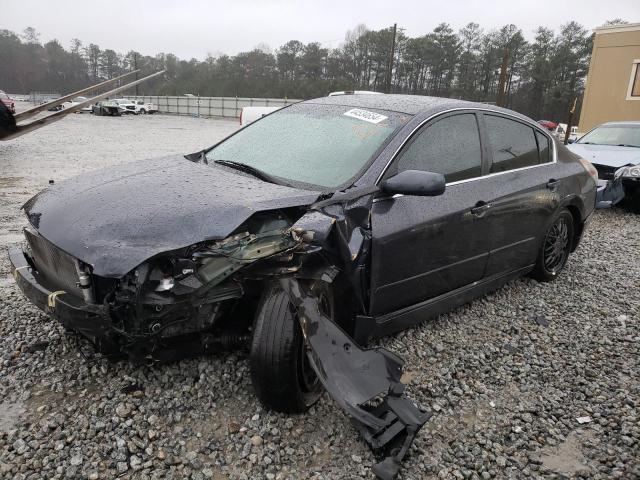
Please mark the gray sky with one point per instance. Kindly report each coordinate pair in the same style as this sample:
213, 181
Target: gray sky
193, 28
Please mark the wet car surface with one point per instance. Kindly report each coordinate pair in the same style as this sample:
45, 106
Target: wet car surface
171, 250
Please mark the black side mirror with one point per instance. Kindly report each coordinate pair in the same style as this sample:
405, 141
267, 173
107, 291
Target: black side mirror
415, 182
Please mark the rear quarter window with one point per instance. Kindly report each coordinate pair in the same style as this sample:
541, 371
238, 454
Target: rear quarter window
513, 144
544, 147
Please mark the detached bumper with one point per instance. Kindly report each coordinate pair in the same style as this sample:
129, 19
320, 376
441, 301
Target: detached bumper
609, 192
90, 320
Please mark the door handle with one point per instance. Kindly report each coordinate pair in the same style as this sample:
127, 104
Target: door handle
552, 184
480, 208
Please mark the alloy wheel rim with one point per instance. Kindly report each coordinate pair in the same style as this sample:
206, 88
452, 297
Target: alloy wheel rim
556, 246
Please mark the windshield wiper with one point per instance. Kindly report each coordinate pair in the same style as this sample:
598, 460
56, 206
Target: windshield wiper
627, 145
256, 172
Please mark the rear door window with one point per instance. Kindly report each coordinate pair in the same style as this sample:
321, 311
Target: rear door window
513, 144
450, 146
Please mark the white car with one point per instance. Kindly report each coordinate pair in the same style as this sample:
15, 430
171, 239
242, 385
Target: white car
143, 107
251, 114
561, 129
135, 107
126, 106
614, 150
75, 101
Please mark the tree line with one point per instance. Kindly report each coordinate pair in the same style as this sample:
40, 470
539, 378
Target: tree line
542, 78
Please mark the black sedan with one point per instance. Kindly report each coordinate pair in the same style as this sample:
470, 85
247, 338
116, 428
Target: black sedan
306, 234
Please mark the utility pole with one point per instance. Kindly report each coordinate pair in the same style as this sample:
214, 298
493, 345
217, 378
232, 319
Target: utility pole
501, 94
570, 121
135, 67
391, 55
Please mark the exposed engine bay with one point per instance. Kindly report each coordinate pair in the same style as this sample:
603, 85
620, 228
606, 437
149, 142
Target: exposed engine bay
203, 298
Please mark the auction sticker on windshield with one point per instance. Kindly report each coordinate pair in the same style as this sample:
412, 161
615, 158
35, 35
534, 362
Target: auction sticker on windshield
365, 115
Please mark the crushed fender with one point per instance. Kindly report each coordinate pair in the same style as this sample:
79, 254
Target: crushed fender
364, 382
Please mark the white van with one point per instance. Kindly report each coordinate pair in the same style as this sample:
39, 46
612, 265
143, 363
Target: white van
251, 114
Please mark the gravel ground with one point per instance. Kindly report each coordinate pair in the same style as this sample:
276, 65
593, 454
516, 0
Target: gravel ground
507, 375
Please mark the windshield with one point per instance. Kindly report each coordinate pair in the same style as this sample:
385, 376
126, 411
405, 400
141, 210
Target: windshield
622, 135
321, 145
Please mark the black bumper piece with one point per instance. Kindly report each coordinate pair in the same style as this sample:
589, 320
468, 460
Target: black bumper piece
91, 321
364, 382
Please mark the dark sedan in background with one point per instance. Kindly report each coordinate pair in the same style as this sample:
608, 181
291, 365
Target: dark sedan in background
304, 235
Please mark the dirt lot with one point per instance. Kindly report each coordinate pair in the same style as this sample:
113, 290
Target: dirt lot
508, 376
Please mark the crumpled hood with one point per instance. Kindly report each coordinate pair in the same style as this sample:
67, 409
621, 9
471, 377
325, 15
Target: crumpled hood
609, 155
116, 218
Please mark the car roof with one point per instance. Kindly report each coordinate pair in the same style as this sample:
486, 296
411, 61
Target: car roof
408, 104
623, 122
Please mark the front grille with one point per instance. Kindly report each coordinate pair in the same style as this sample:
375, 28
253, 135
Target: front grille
56, 267
605, 172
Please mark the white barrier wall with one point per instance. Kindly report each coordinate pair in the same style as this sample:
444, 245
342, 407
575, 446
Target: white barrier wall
210, 106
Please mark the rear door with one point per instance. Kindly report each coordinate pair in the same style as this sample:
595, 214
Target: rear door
426, 246
524, 191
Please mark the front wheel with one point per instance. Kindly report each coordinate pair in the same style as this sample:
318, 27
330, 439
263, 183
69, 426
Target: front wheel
281, 373
635, 201
555, 248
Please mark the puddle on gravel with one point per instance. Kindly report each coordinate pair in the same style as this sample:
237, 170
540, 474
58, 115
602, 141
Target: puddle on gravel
10, 414
567, 458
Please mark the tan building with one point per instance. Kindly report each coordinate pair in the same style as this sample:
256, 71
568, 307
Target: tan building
613, 82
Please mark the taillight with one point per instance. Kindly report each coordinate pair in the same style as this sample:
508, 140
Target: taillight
591, 170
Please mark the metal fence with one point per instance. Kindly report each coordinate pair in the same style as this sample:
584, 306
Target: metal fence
40, 97
210, 106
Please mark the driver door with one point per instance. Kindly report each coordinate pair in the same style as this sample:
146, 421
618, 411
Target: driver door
426, 246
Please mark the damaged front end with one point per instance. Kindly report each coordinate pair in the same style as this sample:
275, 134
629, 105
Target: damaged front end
177, 302
625, 183
203, 298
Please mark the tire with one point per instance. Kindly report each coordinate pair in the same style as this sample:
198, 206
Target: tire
555, 247
142, 111
634, 202
282, 376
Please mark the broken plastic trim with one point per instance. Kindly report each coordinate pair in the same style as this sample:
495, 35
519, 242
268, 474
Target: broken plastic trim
609, 193
364, 382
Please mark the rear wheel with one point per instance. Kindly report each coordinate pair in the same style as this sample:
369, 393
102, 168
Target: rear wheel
142, 111
281, 373
555, 248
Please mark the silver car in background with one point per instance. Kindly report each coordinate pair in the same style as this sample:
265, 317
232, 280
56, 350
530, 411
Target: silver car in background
614, 150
